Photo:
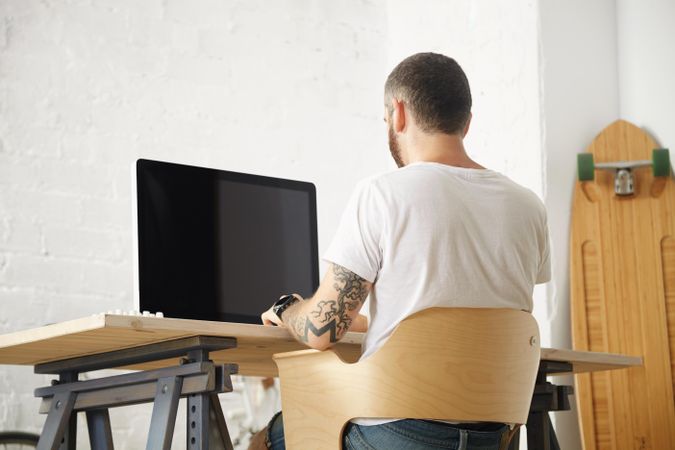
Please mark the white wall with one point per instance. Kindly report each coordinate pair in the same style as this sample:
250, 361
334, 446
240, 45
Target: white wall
646, 57
288, 88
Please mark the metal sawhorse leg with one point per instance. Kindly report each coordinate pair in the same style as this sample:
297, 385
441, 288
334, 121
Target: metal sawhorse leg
547, 398
197, 378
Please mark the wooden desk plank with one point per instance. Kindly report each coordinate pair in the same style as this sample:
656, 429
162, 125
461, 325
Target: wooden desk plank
590, 361
104, 332
256, 343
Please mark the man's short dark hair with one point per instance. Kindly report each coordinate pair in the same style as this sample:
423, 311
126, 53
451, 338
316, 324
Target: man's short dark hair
435, 89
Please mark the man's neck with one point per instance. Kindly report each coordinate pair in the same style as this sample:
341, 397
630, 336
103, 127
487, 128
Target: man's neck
441, 148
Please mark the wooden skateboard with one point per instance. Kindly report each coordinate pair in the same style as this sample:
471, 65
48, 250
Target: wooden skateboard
622, 255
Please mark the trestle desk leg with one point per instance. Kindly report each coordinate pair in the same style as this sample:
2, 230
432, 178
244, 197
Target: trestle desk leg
206, 427
218, 424
547, 398
69, 439
515, 440
100, 433
541, 434
164, 413
55, 433
206, 424
197, 422
538, 431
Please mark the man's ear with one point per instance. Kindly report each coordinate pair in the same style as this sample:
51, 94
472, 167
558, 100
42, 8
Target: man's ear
466, 127
398, 117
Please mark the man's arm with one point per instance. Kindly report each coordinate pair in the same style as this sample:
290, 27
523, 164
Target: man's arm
322, 320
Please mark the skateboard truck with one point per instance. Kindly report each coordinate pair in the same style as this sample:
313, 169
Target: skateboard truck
623, 170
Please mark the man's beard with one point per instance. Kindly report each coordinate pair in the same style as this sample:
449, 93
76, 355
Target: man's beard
394, 148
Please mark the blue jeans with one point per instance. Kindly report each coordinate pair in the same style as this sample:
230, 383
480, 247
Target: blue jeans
406, 435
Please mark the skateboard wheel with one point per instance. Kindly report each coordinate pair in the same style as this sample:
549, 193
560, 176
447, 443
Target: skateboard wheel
585, 167
661, 162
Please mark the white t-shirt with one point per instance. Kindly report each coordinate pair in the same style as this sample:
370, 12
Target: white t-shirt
429, 234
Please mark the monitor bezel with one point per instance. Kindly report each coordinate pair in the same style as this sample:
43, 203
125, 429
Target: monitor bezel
141, 164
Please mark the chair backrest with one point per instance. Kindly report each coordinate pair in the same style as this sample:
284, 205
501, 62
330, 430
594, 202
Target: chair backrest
454, 364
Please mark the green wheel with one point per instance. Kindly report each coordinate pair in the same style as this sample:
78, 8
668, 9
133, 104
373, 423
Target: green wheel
585, 167
661, 162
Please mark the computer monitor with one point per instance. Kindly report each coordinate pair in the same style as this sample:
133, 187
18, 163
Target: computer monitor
220, 245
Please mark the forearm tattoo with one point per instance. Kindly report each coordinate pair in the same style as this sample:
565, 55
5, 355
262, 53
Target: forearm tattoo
331, 316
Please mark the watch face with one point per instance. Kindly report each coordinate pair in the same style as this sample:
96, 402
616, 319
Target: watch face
283, 303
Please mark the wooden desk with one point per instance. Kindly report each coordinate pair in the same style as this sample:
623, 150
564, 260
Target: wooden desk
255, 345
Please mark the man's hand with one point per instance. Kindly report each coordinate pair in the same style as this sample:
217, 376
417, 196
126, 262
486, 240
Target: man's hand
269, 318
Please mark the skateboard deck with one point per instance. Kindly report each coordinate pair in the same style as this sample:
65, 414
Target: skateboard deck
622, 256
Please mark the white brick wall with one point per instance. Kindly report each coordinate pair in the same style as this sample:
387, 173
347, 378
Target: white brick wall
287, 88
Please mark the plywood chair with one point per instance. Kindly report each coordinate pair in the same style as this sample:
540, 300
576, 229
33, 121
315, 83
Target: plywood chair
454, 364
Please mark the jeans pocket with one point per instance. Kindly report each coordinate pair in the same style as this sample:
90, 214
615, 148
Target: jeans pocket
355, 440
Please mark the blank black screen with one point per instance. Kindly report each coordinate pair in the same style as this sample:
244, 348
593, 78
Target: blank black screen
219, 245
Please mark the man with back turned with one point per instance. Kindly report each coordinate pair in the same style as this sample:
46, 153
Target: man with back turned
441, 230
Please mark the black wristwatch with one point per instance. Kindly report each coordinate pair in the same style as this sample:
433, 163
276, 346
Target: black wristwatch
283, 303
